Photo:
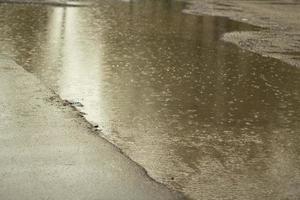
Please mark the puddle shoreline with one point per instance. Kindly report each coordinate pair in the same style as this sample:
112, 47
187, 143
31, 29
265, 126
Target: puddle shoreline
42, 102
56, 99
61, 104
278, 35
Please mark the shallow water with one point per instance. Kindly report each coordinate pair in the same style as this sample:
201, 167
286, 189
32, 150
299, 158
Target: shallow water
201, 115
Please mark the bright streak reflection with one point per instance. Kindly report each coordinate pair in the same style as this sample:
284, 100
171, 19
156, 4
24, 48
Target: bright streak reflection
80, 77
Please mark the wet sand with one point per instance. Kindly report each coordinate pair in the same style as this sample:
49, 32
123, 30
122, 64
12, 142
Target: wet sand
281, 37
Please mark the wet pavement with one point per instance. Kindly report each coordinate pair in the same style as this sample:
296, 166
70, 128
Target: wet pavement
200, 115
47, 151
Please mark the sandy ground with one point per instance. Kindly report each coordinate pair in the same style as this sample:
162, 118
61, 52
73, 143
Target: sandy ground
47, 151
280, 36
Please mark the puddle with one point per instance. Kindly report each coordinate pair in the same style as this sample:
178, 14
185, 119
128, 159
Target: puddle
201, 115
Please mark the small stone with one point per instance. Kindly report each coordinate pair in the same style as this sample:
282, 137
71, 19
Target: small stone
76, 103
95, 125
82, 114
65, 103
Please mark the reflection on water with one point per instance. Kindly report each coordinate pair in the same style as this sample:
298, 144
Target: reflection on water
200, 115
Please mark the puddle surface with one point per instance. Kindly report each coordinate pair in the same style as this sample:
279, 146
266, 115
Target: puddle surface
201, 115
